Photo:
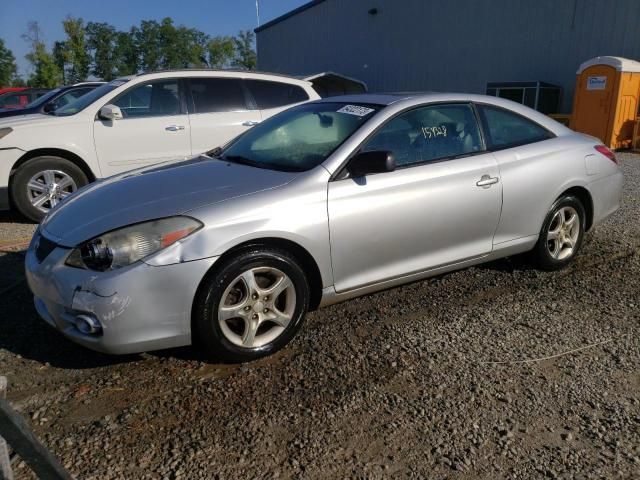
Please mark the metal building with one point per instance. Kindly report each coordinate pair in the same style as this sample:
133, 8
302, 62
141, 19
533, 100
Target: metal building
453, 45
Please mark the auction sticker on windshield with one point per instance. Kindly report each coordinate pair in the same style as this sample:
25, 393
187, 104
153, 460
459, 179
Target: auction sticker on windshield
356, 110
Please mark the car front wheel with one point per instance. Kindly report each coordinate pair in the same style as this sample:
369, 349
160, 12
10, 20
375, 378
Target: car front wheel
43, 182
251, 306
561, 234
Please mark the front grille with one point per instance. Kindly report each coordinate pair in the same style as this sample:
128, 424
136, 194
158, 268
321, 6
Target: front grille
44, 247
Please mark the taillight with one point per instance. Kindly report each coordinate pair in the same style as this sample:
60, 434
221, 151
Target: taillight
607, 153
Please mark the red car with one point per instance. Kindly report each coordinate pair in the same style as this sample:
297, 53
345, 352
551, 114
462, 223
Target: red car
19, 97
4, 90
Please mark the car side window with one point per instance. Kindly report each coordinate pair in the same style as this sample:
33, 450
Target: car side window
504, 129
268, 94
217, 95
429, 133
69, 97
151, 99
13, 100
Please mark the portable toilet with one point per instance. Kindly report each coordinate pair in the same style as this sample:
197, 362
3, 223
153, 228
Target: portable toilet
606, 100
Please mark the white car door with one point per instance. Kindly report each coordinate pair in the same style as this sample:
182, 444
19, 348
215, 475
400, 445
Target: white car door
440, 206
154, 128
218, 111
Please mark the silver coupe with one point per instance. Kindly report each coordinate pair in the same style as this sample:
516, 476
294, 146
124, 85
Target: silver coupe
324, 202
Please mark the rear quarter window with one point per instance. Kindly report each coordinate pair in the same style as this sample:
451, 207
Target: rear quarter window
268, 94
504, 128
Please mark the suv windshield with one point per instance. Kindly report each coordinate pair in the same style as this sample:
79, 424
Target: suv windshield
43, 98
86, 100
300, 138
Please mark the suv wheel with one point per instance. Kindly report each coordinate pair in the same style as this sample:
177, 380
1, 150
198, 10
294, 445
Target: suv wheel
42, 182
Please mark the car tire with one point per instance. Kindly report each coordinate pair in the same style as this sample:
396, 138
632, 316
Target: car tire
48, 174
560, 237
227, 308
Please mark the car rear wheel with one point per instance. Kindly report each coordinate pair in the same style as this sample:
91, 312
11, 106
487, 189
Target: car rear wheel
43, 182
251, 306
561, 234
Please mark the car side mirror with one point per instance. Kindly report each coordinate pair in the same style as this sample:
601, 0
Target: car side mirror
49, 107
110, 112
365, 163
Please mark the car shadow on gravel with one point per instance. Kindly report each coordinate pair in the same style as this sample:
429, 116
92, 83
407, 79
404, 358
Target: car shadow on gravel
187, 353
23, 333
10, 216
521, 263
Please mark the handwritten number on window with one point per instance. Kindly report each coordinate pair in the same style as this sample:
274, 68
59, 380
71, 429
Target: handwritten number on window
434, 132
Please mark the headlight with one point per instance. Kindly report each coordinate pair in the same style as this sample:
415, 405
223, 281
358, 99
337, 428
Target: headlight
125, 246
5, 131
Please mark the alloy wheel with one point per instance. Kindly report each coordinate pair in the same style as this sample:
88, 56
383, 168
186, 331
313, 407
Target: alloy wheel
563, 233
257, 307
47, 188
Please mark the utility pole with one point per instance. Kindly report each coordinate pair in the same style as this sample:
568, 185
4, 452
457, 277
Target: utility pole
258, 11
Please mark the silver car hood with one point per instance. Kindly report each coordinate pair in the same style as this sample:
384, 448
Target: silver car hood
154, 192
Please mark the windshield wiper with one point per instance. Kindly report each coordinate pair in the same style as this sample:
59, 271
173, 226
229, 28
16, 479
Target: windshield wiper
216, 152
240, 160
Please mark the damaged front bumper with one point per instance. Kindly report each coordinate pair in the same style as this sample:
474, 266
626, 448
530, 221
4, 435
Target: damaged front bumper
136, 308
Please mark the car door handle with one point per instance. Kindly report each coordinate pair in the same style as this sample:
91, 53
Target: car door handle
174, 128
486, 181
250, 123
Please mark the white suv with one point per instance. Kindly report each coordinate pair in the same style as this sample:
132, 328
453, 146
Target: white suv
132, 122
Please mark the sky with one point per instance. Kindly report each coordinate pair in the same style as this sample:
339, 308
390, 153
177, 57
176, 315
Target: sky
214, 17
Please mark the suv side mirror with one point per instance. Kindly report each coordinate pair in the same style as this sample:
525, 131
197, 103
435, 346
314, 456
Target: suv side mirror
110, 112
378, 161
49, 107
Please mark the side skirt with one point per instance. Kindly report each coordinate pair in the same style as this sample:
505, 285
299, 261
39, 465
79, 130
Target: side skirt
500, 250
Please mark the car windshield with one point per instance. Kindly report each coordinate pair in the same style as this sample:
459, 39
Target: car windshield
85, 100
44, 98
300, 138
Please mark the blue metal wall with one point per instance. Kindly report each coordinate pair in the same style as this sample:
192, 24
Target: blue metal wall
451, 45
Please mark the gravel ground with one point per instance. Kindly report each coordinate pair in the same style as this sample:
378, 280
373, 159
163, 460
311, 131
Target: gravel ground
499, 371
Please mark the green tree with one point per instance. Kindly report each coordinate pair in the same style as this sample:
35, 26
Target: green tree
181, 47
198, 43
221, 52
148, 44
76, 50
45, 71
245, 56
101, 41
126, 52
172, 45
8, 68
60, 57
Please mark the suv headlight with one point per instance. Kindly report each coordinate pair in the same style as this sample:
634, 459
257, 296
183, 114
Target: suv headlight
127, 245
5, 131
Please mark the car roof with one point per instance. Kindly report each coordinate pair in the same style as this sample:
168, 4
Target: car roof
89, 84
204, 72
81, 84
371, 98
403, 100
416, 98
